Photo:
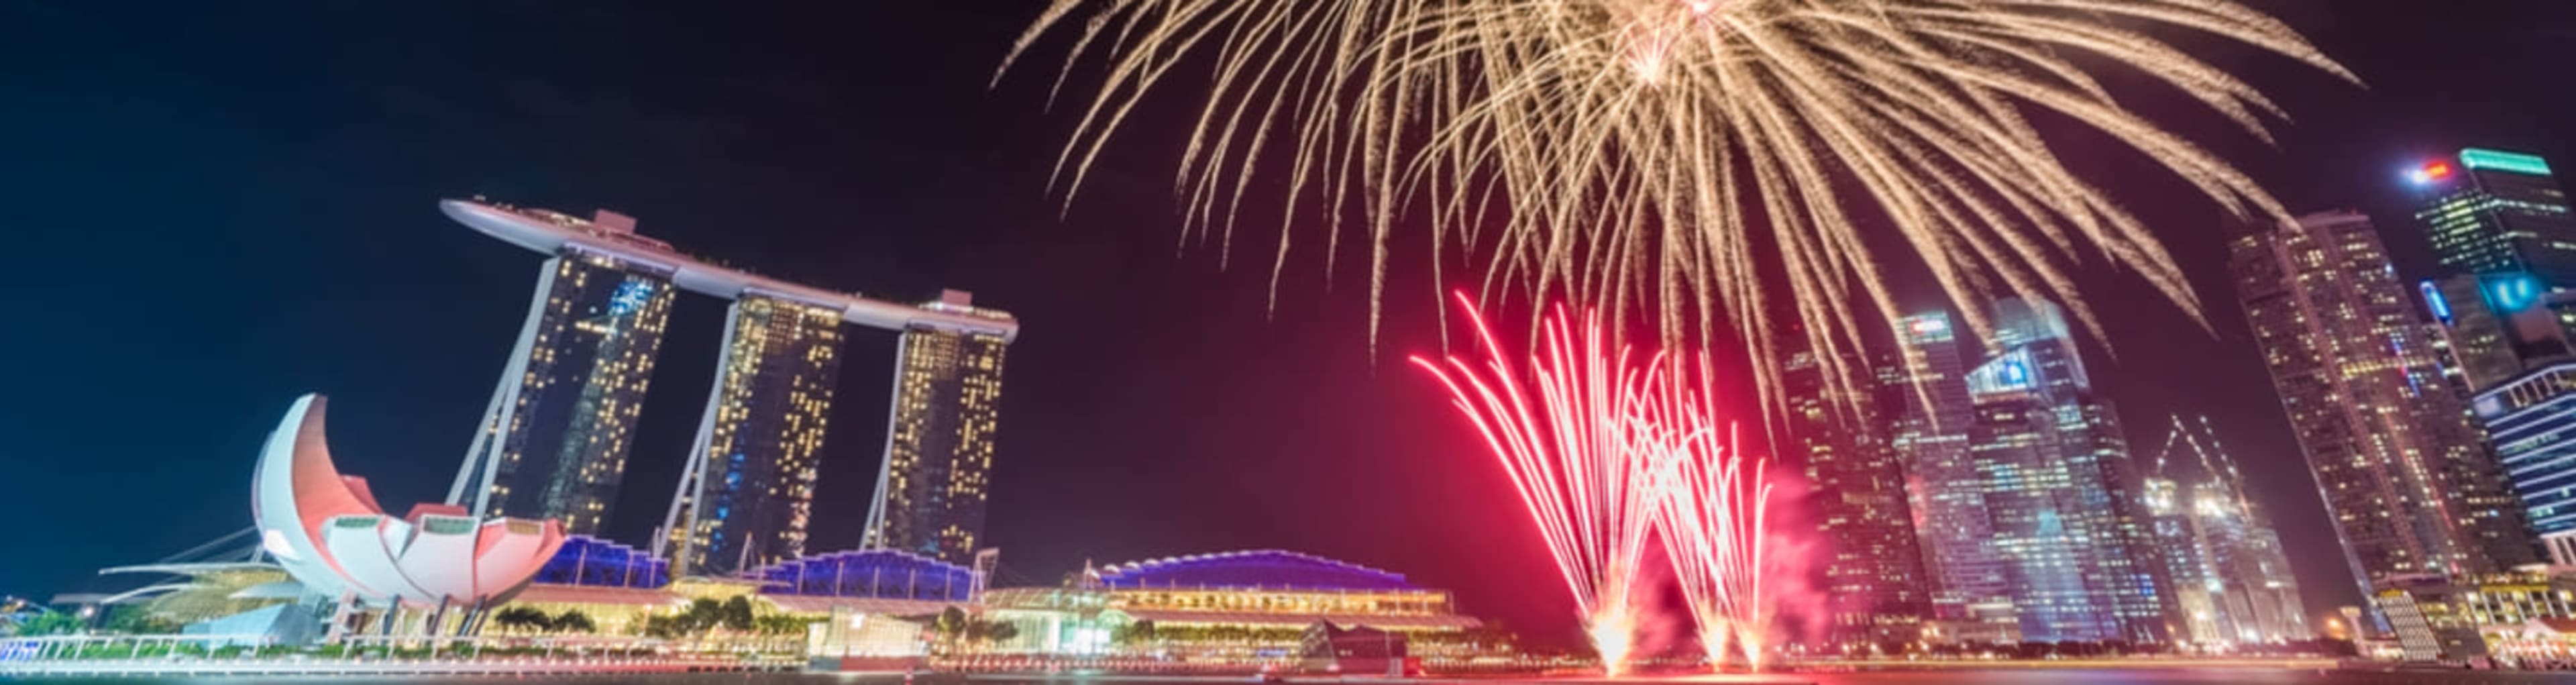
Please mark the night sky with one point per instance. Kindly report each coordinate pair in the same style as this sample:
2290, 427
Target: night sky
212, 208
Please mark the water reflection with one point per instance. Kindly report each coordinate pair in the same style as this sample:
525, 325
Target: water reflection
1945, 677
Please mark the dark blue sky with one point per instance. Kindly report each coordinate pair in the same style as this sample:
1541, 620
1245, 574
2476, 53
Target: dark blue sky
212, 208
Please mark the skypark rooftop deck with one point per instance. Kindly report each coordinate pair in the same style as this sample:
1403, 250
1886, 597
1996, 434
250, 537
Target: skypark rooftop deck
614, 235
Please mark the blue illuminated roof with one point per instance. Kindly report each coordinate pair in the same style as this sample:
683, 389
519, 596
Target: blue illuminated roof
872, 573
1264, 569
591, 562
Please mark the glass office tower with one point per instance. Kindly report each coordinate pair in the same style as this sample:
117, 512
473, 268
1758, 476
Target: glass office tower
1876, 590
2063, 497
1943, 489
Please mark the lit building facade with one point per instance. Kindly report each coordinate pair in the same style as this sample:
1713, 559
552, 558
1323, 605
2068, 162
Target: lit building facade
1944, 491
1874, 579
748, 495
562, 420
2495, 212
2231, 577
2506, 242
2459, 618
2186, 558
1253, 606
2061, 492
753, 462
2409, 481
938, 467
2532, 422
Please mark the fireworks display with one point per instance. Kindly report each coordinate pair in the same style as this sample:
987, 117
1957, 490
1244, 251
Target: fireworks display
1605, 445
1573, 445
1714, 520
1672, 154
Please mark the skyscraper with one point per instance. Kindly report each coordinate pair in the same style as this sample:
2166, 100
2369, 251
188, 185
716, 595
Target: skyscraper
559, 425
2231, 577
749, 491
1943, 489
1876, 590
2492, 212
2185, 554
598, 320
939, 446
2532, 421
2409, 481
2060, 491
2505, 297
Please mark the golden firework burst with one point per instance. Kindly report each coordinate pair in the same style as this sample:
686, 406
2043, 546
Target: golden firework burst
1670, 154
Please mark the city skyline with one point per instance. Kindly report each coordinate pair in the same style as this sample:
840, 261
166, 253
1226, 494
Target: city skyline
623, 146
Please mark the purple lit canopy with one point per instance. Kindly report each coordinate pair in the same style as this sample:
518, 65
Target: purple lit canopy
1269, 569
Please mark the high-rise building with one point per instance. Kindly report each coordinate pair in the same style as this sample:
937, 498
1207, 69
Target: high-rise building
938, 464
2492, 212
1874, 582
2532, 421
2505, 297
2492, 327
576, 381
1944, 491
559, 425
760, 443
2410, 482
2231, 577
2060, 490
2186, 558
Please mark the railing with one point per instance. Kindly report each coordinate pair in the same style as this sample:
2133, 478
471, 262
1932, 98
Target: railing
261, 654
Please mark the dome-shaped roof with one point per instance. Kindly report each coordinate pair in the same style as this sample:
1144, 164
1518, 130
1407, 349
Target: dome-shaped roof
1268, 568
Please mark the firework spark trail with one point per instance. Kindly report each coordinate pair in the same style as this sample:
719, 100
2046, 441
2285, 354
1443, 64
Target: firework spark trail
1639, 153
1714, 517
1574, 449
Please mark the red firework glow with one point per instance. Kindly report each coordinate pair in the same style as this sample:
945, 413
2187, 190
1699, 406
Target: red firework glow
1713, 517
1576, 455
1612, 445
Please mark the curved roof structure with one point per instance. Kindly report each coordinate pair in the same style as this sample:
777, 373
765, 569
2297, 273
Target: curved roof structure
873, 573
327, 531
1267, 569
553, 232
592, 562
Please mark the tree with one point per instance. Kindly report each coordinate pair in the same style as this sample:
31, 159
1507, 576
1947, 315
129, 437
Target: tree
950, 625
983, 631
1133, 635
525, 619
134, 619
573, 621
784, 624
737, 615
52, 623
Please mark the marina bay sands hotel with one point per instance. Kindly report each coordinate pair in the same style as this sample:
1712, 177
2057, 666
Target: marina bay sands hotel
554, 440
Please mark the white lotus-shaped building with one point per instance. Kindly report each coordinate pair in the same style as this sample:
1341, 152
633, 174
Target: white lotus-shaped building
328, 532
